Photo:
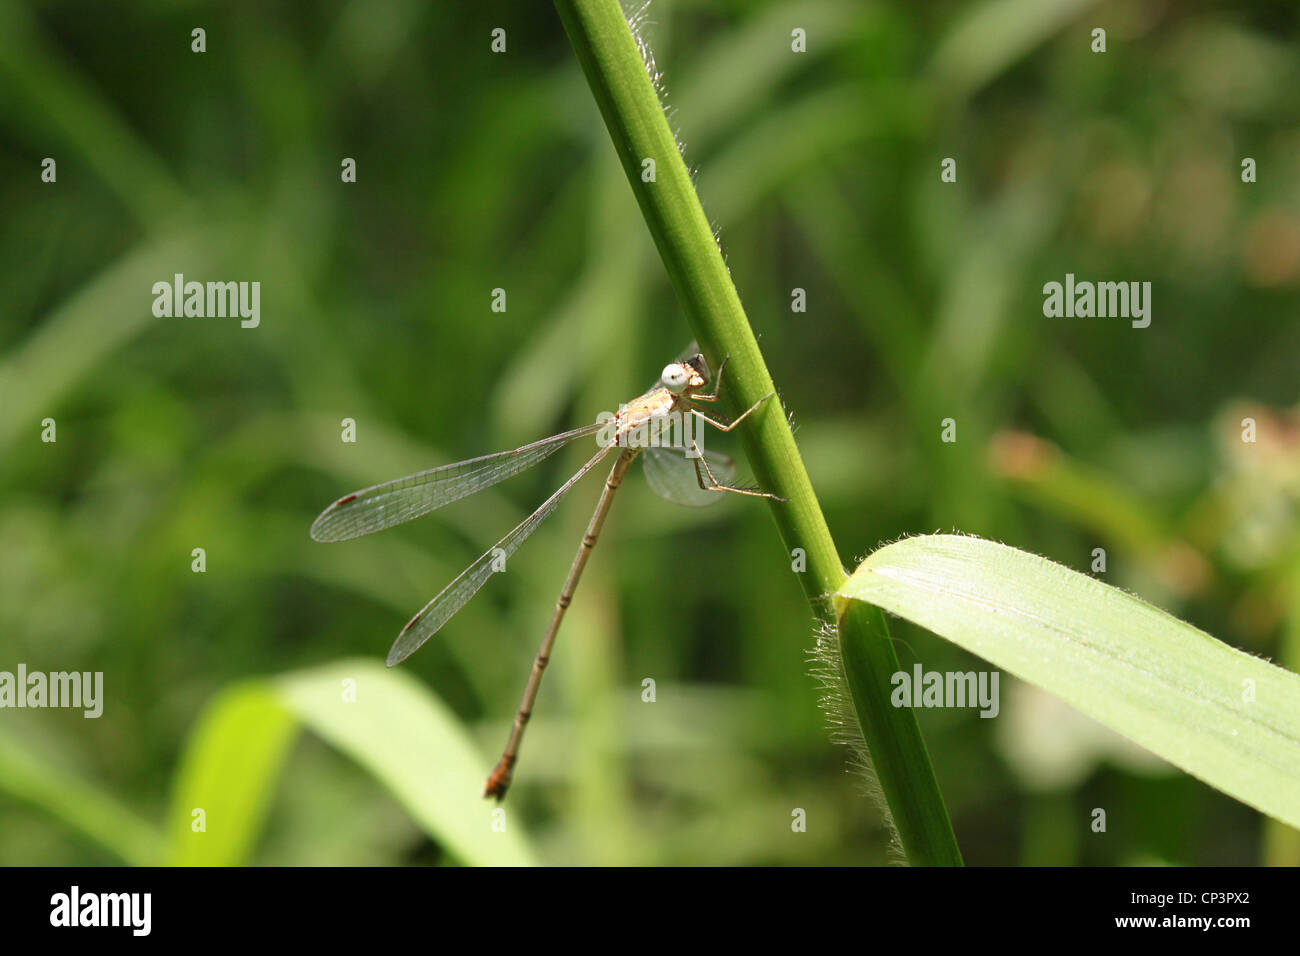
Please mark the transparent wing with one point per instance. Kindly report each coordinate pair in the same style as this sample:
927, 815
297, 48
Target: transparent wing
393, 502
672, 476
456, 594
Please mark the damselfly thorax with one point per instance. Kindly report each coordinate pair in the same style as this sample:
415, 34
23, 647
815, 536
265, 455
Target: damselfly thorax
657, 419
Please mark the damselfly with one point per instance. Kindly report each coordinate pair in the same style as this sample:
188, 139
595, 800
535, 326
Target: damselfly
645, 423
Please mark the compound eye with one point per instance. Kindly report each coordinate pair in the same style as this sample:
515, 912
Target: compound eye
675, 377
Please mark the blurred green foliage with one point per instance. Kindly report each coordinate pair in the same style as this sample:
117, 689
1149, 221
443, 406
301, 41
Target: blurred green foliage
478, 171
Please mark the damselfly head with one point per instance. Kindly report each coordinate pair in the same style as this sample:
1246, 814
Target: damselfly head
680, 376
701, 367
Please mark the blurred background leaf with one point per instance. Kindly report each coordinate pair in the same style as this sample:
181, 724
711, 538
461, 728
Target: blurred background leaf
227, 777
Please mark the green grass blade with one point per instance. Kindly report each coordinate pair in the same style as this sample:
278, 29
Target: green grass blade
413, 744
29, 775
93, 323
390, 725
61, 106
229, 771
629, 103
1227, 718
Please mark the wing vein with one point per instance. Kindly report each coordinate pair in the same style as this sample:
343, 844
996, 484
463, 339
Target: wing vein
456, 594
404, 499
